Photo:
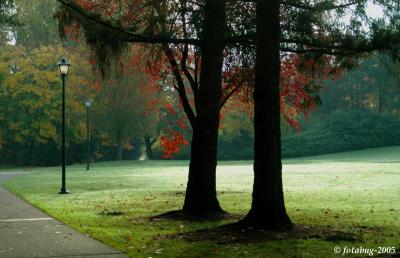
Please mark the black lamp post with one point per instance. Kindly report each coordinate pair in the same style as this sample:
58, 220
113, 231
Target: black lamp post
88, 102
63, 66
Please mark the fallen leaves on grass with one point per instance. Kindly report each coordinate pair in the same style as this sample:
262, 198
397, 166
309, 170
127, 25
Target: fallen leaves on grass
111, 213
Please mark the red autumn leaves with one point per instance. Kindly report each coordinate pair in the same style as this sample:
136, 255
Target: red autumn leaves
301, 80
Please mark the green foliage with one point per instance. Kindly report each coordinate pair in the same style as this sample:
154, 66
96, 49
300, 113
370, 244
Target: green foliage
121, 113
240, 147
235, 140
31, 105
373, 85
6, 7
30, 94
38, 27
343, 130
8, 19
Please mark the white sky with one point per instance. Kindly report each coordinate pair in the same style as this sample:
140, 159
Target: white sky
374, 11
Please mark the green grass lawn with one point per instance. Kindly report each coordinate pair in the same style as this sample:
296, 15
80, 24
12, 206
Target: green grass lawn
355, 192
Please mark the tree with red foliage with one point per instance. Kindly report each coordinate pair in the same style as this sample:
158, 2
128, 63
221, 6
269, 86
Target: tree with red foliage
108, 39
304, 30
171, 143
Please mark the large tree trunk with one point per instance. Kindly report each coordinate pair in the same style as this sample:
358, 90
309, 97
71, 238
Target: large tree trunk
201, 196
268, 207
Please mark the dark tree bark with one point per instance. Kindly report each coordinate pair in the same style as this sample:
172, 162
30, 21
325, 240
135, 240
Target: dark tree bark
201, 196
149, 151
119, 148
30, 153
381, 96
268, 207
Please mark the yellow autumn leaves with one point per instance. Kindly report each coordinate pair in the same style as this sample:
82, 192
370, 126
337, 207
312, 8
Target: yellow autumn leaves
30, 94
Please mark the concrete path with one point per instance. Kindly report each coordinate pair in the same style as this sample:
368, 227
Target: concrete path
28, 232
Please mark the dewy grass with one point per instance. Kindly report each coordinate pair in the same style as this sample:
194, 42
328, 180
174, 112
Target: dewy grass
355, 192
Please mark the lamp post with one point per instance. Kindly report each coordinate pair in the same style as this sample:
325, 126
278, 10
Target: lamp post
63, 66
88, 102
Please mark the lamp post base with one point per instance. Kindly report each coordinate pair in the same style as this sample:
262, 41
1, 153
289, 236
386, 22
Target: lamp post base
63, 191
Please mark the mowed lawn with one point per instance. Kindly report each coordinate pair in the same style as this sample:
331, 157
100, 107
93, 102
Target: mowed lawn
354, 192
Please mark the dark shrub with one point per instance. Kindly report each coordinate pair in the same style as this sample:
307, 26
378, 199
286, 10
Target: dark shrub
343, 130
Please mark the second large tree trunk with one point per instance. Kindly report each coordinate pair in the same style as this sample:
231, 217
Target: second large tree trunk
268, 206
201, 197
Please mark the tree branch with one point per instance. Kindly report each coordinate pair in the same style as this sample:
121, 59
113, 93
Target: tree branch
322, 6
228, 96
123, 33
192, 82
181, 86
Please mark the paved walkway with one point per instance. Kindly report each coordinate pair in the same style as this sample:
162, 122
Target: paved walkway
28, 232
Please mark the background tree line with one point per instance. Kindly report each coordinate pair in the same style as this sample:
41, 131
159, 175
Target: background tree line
372, 87
30, 96
360, 109
129, 116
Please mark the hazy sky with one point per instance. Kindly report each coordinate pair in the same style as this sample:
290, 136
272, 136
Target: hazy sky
374, 11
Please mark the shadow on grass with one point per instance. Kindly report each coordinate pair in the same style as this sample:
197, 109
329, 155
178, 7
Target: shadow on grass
233, 233
180, 215
239, 233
